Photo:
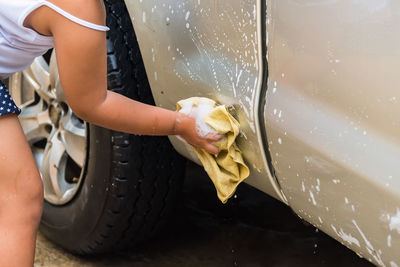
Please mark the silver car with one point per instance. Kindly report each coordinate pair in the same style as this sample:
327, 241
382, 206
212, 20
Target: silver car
314, 85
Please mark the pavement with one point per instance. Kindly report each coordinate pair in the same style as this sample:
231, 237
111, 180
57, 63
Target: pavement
252, 230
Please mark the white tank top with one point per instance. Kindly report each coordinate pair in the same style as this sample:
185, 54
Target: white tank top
20, 45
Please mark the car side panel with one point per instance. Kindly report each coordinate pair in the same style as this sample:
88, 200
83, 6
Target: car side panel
332, 118
207, 48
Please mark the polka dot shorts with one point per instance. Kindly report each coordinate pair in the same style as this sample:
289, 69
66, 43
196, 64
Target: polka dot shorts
7, 104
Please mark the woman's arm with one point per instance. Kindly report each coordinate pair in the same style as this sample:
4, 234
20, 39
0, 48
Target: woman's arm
82, 64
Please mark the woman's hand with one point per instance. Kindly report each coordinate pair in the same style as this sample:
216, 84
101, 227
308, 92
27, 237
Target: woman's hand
185, 127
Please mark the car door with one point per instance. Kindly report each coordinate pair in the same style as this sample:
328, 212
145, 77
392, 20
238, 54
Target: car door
332, 120
211, 49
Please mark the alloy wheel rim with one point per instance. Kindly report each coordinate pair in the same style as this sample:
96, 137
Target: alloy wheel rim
57, 137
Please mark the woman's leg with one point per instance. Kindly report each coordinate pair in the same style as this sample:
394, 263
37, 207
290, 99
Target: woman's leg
21, 195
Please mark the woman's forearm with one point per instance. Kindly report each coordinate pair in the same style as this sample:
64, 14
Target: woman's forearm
123, 114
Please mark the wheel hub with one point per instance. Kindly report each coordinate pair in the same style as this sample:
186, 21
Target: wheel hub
55, 113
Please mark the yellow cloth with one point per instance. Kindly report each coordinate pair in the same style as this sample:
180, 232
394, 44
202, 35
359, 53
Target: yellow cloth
226, 170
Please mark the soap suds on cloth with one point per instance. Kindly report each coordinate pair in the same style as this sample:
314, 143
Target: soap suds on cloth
226, 170
198, 108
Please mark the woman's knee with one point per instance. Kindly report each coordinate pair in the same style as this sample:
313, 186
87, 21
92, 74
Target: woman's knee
21, 198
29, 187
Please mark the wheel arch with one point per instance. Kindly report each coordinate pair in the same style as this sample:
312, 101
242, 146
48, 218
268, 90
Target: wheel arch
191, 50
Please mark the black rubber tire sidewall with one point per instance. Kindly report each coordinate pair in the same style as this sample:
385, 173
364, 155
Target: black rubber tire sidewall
70, 225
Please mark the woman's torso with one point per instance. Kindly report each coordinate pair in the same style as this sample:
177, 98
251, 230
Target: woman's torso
20, 45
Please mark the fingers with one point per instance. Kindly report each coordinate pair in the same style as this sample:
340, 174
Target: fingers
211, 149
206, 145
192, 137
208, 140
214, 137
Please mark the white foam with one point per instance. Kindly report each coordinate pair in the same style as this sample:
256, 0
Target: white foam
394, 223
199, 112
312, 198
346, 237
144, 17
374, 253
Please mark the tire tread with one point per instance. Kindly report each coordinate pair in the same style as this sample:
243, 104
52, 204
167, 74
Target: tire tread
144, 185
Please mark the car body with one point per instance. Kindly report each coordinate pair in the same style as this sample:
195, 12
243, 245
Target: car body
314, 85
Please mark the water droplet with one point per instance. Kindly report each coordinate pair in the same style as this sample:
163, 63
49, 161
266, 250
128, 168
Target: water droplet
144, 17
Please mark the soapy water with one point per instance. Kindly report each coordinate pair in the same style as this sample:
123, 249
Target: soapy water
199, 112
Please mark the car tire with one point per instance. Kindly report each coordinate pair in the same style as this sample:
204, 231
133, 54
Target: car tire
130, 182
